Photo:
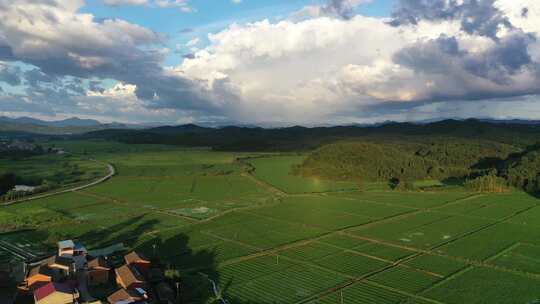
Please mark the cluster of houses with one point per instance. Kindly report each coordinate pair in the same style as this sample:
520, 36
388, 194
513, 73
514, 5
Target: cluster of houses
67, 277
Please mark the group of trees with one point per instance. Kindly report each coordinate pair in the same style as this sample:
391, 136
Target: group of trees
7, 182
523, 170
481, 166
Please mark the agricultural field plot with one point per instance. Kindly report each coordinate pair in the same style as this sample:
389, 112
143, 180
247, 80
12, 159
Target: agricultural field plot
342, 241
351, 263
277, 171
485, 285
263, 233
110, 231
492, 206
417, 200
154, 193
195, 185
436, 264
50, 211
491, 241
529, 218
251, 269
175, 163
24, 245
365, 293
284, 286
310, 252
522, 257
422, 230
405, 279
206, 257
384, 252
329, 212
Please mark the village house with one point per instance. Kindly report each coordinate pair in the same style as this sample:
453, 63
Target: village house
39, 276
126, 296
138, 261
131, 277
62, 266
56, 293
76, 252
128, 277
98, 271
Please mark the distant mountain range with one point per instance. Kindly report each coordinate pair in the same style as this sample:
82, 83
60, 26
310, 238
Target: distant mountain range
77, 126
68, 126
70, 122
234, 138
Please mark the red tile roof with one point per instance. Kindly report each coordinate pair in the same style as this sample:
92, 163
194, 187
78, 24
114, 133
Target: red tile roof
51, 288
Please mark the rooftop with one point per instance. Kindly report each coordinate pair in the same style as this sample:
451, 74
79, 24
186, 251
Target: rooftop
134, 257
129, 275
98, 262
66, 244
51, 288
125, 296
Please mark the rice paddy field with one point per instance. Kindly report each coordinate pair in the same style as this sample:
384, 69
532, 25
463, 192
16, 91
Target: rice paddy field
266, 236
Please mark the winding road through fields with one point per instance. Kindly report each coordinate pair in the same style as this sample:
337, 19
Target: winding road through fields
111, 173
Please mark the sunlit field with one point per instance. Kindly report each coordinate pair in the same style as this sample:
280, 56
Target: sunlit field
267, 236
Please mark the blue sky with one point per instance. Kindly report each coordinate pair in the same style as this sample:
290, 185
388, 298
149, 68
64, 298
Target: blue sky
211, 16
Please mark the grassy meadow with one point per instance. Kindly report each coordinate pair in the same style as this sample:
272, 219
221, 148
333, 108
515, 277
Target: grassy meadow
267, 236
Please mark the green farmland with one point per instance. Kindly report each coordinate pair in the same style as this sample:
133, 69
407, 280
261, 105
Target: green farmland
266, 236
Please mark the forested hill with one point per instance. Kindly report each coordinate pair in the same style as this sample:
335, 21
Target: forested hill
412, 161
301, 138
484, 165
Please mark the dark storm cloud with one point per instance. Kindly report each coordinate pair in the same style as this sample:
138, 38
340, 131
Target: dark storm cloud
479, 17
507, 57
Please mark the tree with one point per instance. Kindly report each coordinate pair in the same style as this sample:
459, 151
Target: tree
7, 182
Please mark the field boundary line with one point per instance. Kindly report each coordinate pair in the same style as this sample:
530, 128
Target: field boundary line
265, 185
500, 253
411, 295
447, 279
111, 173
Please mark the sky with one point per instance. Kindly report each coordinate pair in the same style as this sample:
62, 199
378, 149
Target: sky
270, 62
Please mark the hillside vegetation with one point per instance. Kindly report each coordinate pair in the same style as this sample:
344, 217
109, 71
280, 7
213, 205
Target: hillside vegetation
483, 165
304, 139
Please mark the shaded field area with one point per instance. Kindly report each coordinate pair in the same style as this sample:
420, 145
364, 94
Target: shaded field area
204, 212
